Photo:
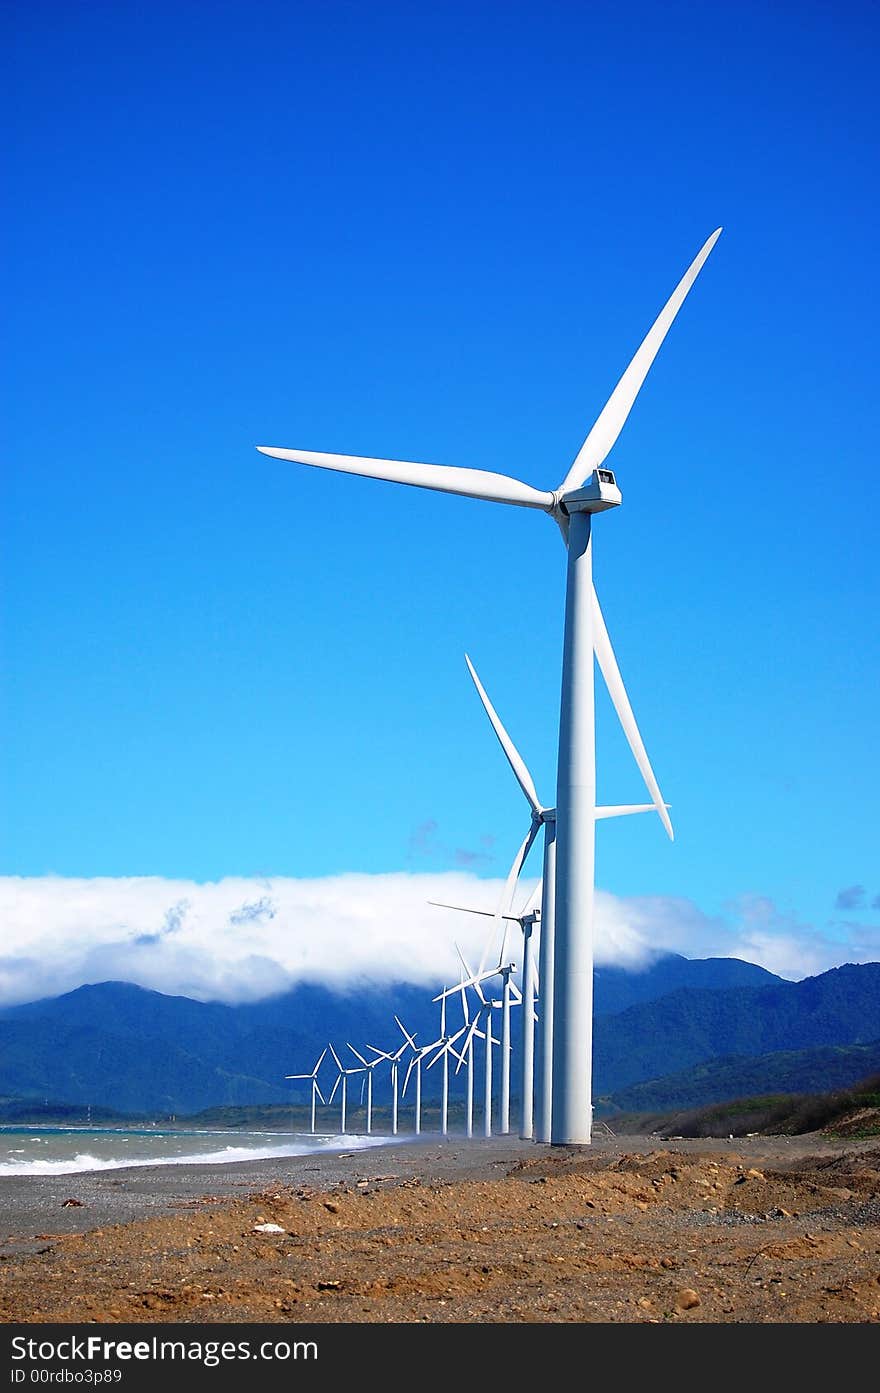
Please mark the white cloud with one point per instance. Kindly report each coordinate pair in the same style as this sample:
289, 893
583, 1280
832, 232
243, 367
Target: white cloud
241, 939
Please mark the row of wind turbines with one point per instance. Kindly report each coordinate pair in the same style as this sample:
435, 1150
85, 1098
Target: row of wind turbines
560, 1093
450, 1044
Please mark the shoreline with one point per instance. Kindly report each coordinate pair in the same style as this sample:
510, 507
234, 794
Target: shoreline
32, 1206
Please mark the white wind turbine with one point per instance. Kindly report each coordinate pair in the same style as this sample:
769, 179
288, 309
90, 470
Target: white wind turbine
542, 816
415, 1063
415, 1066
484, 1018
342, 1077
409, 1043
316, 1092
466, 1055
447, 1047
367, 1082
586, 489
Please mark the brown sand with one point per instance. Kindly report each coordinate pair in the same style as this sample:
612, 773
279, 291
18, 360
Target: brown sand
631, 1229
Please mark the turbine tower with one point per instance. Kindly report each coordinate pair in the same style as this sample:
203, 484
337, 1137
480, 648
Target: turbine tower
587, 489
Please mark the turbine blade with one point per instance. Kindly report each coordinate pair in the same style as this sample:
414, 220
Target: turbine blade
320, 1060
357, 1055
469, 1037
514, 758
445, 478
625, 809
333, 1089
534, 900
464, 962
410, 1039
510, 885
319, 1093
613, 415
466, 909
340, 1066
439, 1046
408, 1072
478, 978
616, 690
464, 1006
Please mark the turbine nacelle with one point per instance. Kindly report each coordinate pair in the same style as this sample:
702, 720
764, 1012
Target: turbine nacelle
597, 495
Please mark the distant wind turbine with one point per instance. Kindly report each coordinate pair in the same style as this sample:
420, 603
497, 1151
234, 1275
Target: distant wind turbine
316, 1092
367, 1081
345, 1073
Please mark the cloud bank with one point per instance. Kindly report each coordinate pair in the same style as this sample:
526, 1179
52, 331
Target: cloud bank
241, 939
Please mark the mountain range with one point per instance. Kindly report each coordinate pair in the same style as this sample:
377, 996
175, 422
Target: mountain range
689, 1027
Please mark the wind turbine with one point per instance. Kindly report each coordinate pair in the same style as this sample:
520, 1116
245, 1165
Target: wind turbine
342, 1078
316, 1092
415, 1063
466, 1056
409, 1043
484, 1014
586, 489
367, 1081
447, 1047
543, 816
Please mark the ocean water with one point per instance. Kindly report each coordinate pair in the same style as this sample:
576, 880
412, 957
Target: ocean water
67, 1150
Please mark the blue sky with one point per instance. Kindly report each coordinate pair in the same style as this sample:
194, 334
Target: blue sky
439, 233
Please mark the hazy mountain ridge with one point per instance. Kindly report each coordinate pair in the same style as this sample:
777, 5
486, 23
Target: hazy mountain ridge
119, 1046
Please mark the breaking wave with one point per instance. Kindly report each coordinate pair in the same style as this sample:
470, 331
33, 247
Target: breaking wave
226, 1155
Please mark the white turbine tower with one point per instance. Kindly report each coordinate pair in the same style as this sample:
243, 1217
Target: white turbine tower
586, 489
316, 1092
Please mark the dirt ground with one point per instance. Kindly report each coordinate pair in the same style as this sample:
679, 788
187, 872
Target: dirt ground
633, 1230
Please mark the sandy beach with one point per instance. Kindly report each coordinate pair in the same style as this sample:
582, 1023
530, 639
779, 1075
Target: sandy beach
631, 1229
